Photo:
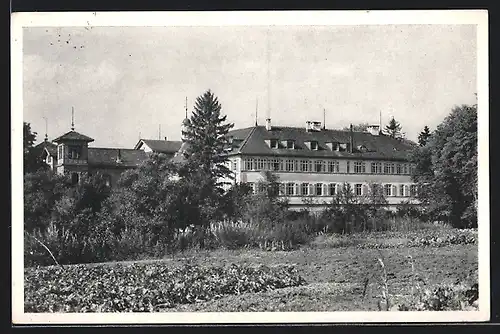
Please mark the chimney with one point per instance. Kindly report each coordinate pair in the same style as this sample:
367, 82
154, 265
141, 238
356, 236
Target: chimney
119, 157
165, 138
351, 139
308, 126
374, 130
268, 124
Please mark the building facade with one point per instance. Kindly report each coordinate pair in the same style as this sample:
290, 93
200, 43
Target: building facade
70, 154
313, 162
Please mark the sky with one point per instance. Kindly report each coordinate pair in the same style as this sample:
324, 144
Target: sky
131, 82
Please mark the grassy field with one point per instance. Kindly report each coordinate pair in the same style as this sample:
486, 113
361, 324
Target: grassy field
339, 275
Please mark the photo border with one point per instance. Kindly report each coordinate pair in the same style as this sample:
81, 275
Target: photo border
19, 20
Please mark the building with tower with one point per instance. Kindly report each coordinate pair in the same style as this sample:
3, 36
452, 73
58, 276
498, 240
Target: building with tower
311, 162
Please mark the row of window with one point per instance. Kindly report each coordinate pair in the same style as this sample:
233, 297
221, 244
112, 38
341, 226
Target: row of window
330, 189
311, 144
323, 166
74, 151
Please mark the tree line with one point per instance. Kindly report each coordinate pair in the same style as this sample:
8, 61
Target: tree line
154, 208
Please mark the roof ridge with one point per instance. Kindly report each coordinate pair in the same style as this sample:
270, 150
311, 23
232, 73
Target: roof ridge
245, 141
113, 148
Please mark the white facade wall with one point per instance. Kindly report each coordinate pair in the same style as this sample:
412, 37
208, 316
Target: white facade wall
398, 186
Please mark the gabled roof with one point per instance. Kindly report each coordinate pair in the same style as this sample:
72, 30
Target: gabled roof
98, 156
73, 136
179, 157
160, 146
47, 146
378, 147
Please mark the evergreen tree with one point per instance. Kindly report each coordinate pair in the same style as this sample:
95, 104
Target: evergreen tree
205, 133
424, 136
205, 170
393, 129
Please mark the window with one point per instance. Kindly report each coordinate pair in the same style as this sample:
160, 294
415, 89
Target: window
387, 189
314, 145
304, 165
273, 143
75, 178
387, 168
290, 144
358, 189
392, 168
348, 167
413, 190
319, 189
290, 188
331, 189
359, 167
233, 164
319, 166
248, 164
412, 169
275, 164
289, 165
281, 189
342, 147
335, 146
304, 189
333, 166
260, 164
60, 151
401, 190
376, 168
399, 170
74, 152
405, 168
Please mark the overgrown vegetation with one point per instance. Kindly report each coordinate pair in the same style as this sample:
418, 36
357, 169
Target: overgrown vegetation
145, 288
162, 208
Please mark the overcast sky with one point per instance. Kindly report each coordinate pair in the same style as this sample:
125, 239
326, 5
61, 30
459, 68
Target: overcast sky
126, 81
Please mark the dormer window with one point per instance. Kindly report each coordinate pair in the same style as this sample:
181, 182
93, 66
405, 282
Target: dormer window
290, 144
342, 147
273, 143
314, 145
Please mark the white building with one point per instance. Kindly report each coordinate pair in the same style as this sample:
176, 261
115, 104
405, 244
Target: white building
313, 162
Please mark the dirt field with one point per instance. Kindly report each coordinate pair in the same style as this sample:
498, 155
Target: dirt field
336, 277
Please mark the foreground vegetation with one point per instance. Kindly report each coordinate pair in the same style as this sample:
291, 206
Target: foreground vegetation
312, 278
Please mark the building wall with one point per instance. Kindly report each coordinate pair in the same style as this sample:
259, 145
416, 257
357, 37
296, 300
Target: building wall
399, 186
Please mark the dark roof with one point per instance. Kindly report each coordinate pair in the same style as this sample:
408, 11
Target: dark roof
161, 146
51, 148
72, 135
252, 142
179, 157
108, 157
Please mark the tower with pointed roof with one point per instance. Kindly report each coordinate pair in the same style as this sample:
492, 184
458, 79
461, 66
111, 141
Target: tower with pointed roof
72, 153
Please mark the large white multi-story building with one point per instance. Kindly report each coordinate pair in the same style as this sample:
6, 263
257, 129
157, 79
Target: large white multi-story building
313, 162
